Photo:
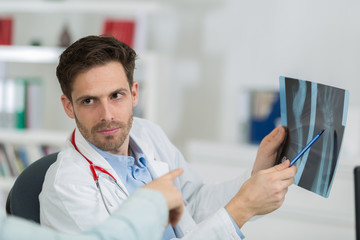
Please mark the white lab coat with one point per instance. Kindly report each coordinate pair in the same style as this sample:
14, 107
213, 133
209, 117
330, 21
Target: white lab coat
70, 201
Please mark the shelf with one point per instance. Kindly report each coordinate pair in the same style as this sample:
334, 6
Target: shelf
81, 6
30, 54
37, 137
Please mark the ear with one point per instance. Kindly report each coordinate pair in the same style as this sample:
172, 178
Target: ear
68, 107
135, 93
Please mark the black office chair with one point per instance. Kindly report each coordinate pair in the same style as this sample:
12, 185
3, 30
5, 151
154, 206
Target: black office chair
23, 198
357, 201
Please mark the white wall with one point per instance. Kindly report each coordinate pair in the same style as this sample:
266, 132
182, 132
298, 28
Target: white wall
249, 44
310, 40
219, 50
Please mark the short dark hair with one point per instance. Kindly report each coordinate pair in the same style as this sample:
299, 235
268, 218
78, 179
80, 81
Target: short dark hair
91, 51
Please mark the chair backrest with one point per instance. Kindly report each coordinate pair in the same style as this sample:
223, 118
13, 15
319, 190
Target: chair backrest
23, 198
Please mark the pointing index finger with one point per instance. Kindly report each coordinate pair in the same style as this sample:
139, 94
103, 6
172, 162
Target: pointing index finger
173, 174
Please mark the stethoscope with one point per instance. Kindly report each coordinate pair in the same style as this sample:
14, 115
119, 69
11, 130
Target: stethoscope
93, 169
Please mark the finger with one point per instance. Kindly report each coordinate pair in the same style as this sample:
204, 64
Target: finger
273, 140
287, 174
175, 215
281, 166
288, 182
282, 170
173, 174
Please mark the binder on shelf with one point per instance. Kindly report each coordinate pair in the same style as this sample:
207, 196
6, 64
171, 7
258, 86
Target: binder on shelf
123, 30
8, 119
6, 30
34, 104
20, 101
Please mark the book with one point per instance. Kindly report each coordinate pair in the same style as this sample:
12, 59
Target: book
6, 30
23, 156
4, 166
307, 108
11, 159
123, 30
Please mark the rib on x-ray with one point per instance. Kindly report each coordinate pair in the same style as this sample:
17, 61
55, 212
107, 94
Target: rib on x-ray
307, 108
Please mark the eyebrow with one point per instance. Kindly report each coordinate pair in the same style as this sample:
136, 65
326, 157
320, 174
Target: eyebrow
81, 98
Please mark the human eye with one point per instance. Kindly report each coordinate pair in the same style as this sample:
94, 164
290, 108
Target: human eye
117, 95
87, 101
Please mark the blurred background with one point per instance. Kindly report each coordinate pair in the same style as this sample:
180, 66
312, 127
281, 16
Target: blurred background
207, 70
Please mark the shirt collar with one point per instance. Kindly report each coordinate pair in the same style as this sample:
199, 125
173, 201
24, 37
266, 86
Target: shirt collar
137, 156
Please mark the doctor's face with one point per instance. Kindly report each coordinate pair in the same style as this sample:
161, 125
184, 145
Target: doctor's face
102, 105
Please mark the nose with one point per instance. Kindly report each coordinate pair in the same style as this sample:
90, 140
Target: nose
105, 112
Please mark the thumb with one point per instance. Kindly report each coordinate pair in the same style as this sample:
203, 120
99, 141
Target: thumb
273, 140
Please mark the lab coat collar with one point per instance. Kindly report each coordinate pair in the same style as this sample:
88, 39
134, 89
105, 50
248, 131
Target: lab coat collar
89, 152
156, 167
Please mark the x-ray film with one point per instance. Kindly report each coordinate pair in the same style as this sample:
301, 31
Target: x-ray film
306, 109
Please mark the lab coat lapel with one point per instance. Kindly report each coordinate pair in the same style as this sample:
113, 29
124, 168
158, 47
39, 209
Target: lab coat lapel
95, 157
157, 168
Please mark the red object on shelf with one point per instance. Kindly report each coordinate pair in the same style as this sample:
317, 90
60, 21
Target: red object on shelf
6, 31
123, 30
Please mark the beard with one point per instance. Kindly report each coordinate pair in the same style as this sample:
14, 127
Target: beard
111, 143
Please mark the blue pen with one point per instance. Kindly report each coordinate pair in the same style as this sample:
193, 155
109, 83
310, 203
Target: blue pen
306, 147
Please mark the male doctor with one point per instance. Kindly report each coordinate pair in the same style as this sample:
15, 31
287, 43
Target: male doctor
110, 154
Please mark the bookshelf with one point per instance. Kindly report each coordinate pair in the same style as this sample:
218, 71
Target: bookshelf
21, 61
30, 54
20, 148
81, 6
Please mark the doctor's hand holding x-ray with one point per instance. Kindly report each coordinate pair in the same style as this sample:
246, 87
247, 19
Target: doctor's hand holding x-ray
265, 190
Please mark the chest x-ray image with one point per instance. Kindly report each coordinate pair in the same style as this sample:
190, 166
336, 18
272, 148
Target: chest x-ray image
306, 109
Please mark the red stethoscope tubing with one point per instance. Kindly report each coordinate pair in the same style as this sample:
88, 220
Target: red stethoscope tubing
92, 166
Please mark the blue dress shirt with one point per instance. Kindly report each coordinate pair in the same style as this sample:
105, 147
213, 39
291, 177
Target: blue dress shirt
238, 231
134, 173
